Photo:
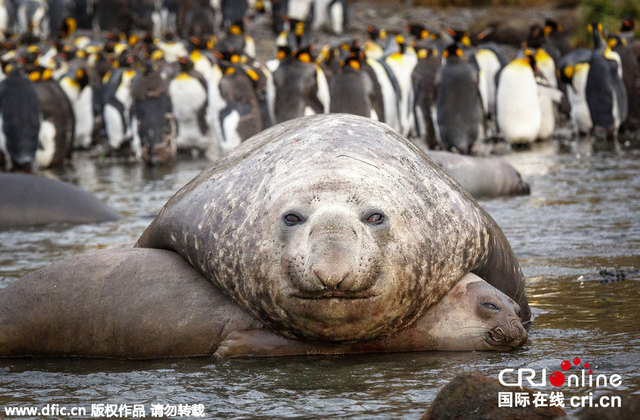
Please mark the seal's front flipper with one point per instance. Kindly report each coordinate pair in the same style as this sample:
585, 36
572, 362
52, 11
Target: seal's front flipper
261, 343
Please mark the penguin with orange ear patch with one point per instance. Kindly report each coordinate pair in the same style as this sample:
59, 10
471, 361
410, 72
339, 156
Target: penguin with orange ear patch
20, 118
630, 78
189, 95
239, 115
301, 87
354, 90
58, 121
458, 113
75, 85
518, 112
606, 93
424, 86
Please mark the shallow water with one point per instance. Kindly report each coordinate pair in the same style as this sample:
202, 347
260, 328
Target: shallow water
583, 216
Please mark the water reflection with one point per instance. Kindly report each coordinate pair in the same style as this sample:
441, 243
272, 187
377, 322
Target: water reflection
583, 215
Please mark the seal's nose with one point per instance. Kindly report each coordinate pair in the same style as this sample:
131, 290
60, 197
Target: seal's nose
332, 274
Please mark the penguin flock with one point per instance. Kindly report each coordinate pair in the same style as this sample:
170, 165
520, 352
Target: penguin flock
155, 80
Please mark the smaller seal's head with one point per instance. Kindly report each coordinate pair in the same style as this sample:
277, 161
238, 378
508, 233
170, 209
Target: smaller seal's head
500, 316
476, 316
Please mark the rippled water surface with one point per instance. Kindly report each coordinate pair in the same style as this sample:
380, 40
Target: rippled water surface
583, 216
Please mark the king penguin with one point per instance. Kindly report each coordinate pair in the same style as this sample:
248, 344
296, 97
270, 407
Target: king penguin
517, 106
188, 92
605, 90
57, 124
424, 86
353, 90
458, 113
240, 117
573, 70
402, 63
19, 119
631, 79
117, 107
80, 93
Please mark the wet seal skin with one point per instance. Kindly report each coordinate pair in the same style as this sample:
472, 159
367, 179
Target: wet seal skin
142, 303
334, 228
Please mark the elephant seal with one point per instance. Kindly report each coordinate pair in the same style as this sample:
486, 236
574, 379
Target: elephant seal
29, 200
141, 303
334, 228
484, 177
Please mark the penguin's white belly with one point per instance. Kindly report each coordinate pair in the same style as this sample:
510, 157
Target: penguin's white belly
231, 137
4, 19
188, 97
83, 111
577, 97
337, 18
389, 97
547, 96
47, 144
116, 131
489, 66
403, 68
517, 106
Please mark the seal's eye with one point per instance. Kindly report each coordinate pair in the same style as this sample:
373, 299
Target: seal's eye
291, 219
490, 306
375, 219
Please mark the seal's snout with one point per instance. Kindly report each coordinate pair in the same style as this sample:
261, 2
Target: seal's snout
333, 276
510, 334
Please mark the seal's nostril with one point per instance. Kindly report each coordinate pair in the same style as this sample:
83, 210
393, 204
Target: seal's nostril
332, 277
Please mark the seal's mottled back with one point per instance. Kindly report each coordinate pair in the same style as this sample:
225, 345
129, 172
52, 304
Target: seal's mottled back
335, 228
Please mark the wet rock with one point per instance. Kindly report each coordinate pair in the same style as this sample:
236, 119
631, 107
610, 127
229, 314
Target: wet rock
629, 409
471, 395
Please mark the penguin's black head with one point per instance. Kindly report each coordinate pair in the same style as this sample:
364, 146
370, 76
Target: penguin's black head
375, 33
354, 56
196, 43
597, 33
627, 25
536, 36
418, 30
459, 37
186, 65
615, 40
81, 77
452, 51
566, 74
551, 26
305, 54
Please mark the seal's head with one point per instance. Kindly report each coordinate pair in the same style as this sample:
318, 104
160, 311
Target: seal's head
329, 227
475, 316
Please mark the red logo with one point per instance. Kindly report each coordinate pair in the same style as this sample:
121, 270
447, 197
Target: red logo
557, 378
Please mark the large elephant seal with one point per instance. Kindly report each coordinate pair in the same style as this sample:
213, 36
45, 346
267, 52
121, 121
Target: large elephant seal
28, 200
334, 228
148, 303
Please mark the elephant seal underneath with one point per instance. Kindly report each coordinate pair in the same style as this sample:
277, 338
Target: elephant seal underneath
147, 303
481, 176
334, 228
29, 200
